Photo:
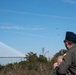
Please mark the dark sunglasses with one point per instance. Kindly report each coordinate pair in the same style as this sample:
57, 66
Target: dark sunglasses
65, 41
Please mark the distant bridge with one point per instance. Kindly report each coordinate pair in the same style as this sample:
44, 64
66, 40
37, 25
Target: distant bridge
12, 57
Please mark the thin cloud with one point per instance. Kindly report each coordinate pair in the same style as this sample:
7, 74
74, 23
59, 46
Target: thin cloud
20, 28
11, 27
17, 12
26, 13
29, 34
70, 1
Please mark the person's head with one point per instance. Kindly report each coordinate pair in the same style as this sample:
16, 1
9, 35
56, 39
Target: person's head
70, 39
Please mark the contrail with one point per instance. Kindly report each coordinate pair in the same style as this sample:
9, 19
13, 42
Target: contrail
29, 34
70, 1
21, 28
6, 50
17, 12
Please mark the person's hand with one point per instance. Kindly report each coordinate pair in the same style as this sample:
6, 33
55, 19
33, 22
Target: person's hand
55, 65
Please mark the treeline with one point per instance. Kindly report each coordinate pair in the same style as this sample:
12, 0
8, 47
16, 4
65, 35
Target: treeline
33, 65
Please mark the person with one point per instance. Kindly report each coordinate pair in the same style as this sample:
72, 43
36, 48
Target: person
68, 64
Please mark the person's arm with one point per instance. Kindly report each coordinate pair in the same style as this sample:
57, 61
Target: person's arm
65, 64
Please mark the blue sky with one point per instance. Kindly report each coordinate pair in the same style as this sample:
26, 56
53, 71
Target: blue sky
30, 25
